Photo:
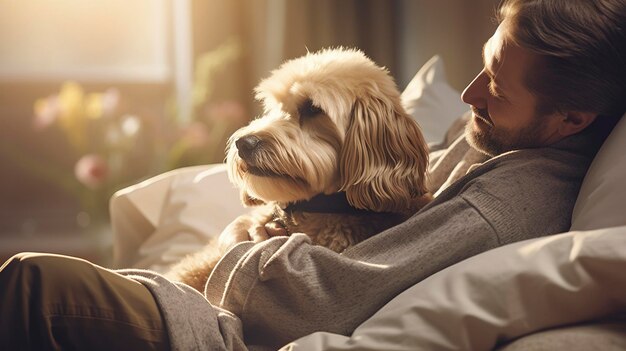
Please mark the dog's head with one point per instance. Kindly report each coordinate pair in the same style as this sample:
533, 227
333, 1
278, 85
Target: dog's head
332, 122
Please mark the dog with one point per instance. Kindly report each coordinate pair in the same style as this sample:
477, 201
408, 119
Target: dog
334, 155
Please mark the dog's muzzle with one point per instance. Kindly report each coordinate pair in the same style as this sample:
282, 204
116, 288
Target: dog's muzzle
246, 147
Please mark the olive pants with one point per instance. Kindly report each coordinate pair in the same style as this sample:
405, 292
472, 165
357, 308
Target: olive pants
51, 302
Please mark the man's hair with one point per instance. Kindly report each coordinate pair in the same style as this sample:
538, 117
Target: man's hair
581, 49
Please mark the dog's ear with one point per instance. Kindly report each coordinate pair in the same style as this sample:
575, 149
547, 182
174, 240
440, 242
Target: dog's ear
384, 157
248, 200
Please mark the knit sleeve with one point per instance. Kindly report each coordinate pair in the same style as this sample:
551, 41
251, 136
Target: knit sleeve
285, 288
192, 322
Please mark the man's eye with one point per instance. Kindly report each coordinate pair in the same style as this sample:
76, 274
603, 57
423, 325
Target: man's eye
307, 109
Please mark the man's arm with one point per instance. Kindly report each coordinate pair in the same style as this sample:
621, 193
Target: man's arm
285, 288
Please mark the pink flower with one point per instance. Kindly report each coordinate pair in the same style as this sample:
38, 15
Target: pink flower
47, 111
91, 170
110, 101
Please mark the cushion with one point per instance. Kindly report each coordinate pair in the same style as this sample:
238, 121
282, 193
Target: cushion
498, 295
601, 203
432, 102
160, 220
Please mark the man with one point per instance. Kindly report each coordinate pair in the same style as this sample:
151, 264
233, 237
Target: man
552, 87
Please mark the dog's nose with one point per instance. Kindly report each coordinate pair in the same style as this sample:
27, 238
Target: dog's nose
246, 145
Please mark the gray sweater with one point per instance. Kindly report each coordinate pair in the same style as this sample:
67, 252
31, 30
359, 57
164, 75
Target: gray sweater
265, 295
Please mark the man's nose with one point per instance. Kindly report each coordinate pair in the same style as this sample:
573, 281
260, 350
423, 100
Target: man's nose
475, 93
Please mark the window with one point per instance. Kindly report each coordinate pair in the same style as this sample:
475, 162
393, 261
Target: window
86, 40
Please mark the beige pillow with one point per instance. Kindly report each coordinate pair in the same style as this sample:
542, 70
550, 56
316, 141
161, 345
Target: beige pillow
498, 295
601, 202
432, 102
159, 221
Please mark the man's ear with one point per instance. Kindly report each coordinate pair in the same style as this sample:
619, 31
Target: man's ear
575, 121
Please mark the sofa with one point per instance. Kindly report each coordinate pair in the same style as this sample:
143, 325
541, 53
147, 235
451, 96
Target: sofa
562, 292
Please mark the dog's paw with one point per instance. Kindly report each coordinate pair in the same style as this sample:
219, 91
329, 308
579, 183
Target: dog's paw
275, 228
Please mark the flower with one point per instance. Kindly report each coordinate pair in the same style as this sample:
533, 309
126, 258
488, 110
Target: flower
47, 111
72, 113
116, 142
91, 170
130, 125
110, 101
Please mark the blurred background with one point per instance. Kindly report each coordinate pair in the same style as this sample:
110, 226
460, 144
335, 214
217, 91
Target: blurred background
96, 95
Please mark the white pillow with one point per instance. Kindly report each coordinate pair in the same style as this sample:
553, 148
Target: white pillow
432, 101
159, 221
601, 202
498, 295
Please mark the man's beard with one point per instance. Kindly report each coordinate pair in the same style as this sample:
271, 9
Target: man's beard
494, 141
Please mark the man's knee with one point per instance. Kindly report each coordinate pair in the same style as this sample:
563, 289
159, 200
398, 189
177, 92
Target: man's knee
20, 275
32, 267
17, 265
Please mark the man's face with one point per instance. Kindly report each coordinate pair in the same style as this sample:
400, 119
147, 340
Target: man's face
504, 116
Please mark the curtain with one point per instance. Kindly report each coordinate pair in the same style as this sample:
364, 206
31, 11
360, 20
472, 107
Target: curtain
398, 34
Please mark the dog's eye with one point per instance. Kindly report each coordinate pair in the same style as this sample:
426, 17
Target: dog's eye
307, 109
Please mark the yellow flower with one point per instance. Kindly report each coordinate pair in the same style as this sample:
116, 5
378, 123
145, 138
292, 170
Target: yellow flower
94, 107
72, 116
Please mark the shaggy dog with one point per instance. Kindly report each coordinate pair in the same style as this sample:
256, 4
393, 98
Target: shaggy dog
334, 156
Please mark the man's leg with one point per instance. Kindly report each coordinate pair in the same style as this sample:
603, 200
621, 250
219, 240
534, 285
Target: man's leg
60, 302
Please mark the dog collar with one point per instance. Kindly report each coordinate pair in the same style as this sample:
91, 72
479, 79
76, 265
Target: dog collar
323, 203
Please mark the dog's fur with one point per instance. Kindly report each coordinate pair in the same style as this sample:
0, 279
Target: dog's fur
332, 122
